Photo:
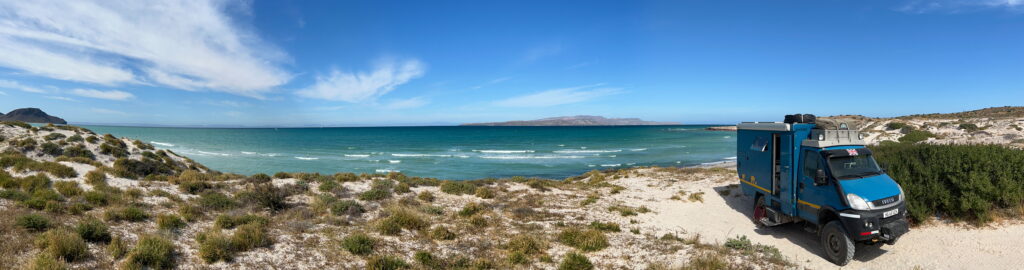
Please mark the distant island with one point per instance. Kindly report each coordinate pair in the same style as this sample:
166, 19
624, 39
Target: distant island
31, 115
579, 120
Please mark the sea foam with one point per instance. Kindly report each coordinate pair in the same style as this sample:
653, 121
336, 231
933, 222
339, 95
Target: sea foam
161, 144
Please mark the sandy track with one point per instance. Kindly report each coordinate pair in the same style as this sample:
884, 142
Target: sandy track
719, 217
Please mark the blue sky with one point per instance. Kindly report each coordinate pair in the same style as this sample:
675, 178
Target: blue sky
286, 63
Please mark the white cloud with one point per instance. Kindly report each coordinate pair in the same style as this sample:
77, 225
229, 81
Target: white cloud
959, 6
559, 96
543, 51
111, 95
184, 44
61, 98
491, 82
364, 86
107, 111
409, 103
18, 86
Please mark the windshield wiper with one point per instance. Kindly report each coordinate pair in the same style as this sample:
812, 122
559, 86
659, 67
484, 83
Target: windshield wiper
861, 175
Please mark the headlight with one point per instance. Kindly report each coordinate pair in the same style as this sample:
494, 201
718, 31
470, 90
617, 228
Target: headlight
901, 192
856, 202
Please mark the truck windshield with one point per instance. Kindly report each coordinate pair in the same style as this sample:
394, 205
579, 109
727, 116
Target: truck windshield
853, 167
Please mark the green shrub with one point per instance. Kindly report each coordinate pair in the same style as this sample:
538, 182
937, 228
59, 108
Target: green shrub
169, 222
346, 207
605, 226
895, 125
152, 251
17, 124
969, 127
585, 240
36, 182
402, 188
484, 193
96, 178
282, 175
265, 195
117, 247
442, 233
400, 218
130, 214
45, 261
113, 150
68, 188
591, 199
97, 198
194, 187
375, 194
576, 261
75, 138
358, 243
471, 209
144, 146
51, 149
259, 178
426, 196
457, 187
216, 201
137, 169
230, 221
92, 139
190, 212
54, 136
93, 230
63, 244
429, 261
386, 262
960, 182
78, 151
527, 245
216, 246
33, 222
249, 236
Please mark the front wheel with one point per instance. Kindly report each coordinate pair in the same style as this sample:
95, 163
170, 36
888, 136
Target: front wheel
837, 244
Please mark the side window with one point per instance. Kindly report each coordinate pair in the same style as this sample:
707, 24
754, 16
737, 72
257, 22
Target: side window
811, 163
760, 144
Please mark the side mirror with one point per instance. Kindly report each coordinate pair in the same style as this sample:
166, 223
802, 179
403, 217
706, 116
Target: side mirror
820, 179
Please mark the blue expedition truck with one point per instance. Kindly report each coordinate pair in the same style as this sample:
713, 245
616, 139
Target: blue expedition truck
797, 171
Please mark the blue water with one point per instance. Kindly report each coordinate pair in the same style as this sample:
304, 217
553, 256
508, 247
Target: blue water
441, 152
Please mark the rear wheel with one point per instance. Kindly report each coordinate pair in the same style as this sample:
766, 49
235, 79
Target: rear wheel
839, 249
759, 211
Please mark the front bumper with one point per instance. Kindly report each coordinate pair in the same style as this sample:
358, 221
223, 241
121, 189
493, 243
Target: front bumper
870, 226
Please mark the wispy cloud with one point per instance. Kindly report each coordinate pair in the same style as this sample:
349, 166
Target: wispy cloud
959, 6
21, 87
560, 96
111, 95
107, 111
542, 51
190, 45
364, 86
492, 82
409, 103
61, 98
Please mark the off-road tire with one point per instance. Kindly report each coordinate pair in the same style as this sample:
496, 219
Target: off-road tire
758, 203
838, 247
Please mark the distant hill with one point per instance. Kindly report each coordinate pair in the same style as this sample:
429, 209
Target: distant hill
31, 115
579, 120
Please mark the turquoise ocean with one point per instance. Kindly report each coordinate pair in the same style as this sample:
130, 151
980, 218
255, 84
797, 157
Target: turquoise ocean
450, 152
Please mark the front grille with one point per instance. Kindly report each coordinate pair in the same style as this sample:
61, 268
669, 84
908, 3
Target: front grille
885, 201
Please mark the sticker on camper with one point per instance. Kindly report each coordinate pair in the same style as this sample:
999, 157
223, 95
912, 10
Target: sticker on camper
852, 152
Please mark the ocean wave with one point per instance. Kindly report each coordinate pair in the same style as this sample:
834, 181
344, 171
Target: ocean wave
270, 155
420, 155
307, 158
348, 155
248, 153
530, 157
730, 158
386, 170
567, 151
611, 165
727, 137
677, 129
638, 149
503, 151
213, 153
394, 161
612, 155
162, 144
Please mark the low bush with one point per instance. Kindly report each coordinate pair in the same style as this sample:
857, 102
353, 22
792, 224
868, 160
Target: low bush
152, 251
33, 222
605, 226
346, 207
78, 151
63, 244
426, 196
471, 209
169, 222
51, 149
375, 194
54, 136
576, 261
190, 212
93, 230
259, 178
895, 125
959, 182
44, 261
213, 200
282, 175
457, 187
137, 169
249, 236
442, 233
113, 150
266, 196
386, 262
585, 240
358, 243
75, 138
194, 187
117, 247
402, 188
97, 198
527, 245
400, 218
96, 178
215, 246
484, 193
68, 188
144, 146
916, 136
969, 127
232, 221
129, 213
16, 124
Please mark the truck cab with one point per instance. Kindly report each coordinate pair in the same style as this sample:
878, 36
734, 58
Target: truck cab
798, 171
